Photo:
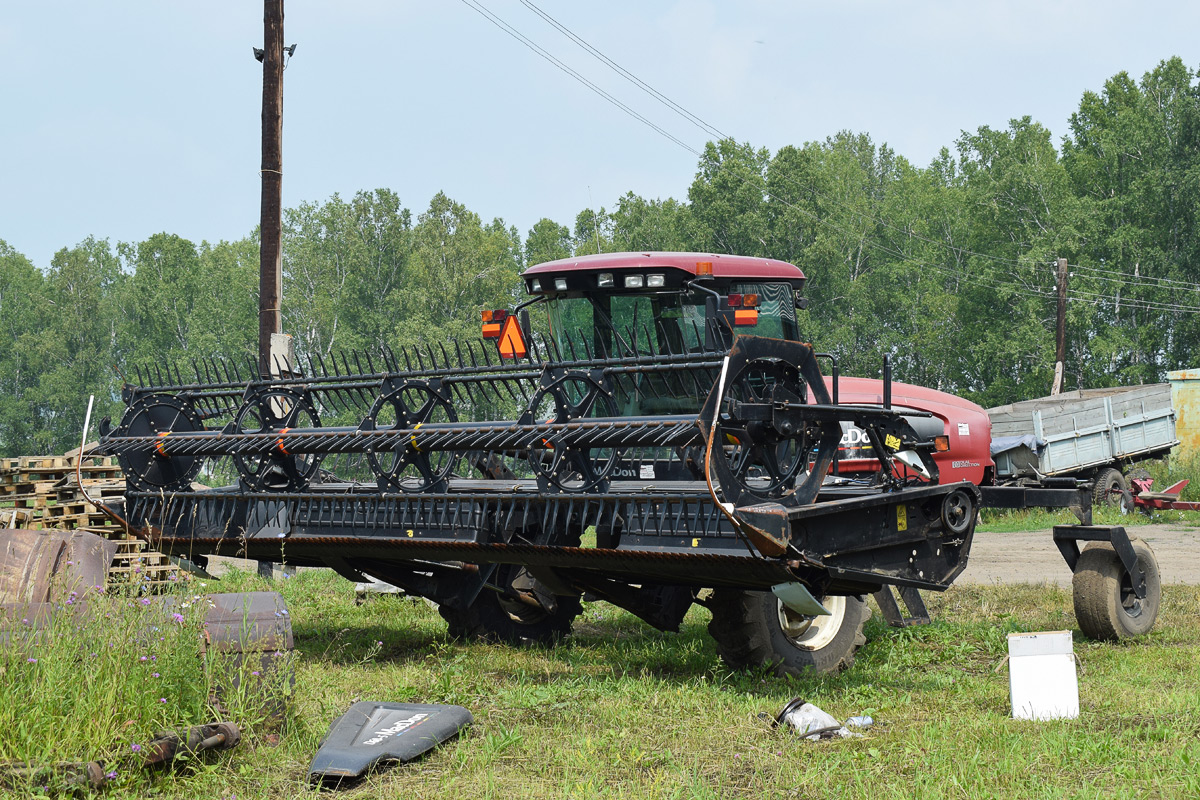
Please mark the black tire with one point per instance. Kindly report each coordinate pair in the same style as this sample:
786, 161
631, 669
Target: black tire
1110, 488
749, 631
1141, 474
494, 617
1105, 605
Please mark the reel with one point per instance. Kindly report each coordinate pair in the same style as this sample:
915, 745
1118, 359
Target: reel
154, 470
273, 409
571, 397
757, 455
409, 404
752, 459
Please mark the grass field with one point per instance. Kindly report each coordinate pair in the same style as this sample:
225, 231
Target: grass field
621, 710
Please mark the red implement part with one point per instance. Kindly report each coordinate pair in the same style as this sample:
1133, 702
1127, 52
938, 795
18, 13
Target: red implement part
965, 423
1167, 500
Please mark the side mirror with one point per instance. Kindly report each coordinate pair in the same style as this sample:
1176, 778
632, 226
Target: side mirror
523, 317
801, 302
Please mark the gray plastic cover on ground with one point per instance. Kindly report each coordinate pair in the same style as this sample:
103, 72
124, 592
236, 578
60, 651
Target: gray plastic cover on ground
370, 733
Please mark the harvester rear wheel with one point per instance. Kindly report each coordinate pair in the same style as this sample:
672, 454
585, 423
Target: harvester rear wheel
753, 629
495, 617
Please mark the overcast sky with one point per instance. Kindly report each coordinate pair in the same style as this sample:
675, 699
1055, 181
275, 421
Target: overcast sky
125, 119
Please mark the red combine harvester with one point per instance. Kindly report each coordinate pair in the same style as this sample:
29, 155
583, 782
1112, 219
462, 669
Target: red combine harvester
661, 438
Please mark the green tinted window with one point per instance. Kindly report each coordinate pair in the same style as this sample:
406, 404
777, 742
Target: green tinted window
776, 309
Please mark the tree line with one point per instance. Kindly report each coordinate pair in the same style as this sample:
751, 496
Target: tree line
948, 268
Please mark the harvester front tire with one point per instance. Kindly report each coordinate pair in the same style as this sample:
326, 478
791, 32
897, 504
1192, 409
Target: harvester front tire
753, 629
1105, 605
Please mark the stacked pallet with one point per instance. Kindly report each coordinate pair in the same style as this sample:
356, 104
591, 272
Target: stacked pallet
135, 564
56, 492
45, 493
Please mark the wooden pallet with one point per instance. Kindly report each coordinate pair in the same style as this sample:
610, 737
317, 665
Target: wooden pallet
15, 517
45, 492
136, 566
13, 487
96, 490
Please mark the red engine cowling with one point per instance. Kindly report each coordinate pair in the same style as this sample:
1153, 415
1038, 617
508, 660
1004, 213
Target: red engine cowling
966, 424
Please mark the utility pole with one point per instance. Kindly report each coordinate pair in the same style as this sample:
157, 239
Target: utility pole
270, 279
274, 356
1060, 354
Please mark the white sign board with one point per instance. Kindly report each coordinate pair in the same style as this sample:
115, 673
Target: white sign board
1042, 680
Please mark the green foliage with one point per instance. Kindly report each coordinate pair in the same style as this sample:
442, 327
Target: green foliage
1134, 153
647, 225
728, 199
547, 241
76, 350
24, 318
594, 232
948, 269
345, 263
459, 267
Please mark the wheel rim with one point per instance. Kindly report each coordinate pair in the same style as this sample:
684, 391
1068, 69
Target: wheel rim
815, 632
1130, 603
520, 612
1113, 489
958, 511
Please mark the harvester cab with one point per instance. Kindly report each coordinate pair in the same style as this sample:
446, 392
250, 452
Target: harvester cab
644, 306
633, 306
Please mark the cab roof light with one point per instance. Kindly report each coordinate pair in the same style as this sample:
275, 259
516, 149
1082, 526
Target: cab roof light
604, 280
656, 281
634, 281
704, 269
560, 284
535, 285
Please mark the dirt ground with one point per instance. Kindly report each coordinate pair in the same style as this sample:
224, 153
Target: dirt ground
1031, 556
1023, 557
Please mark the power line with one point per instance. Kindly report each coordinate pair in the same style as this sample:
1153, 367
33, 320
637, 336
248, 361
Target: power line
520, 37
711, 130
627, 75
1082, 295
1138, 279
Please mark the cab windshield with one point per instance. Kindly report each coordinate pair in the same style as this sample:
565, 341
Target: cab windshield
658, 323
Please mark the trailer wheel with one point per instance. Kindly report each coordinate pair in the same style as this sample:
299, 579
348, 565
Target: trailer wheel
754, 629
1105, 605
1110, 488
494, 617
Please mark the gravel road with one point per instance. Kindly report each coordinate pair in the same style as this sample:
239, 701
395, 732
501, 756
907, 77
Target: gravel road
1022, 557
1031, 556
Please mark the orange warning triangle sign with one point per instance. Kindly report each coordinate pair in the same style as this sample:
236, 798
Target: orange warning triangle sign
512, 340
